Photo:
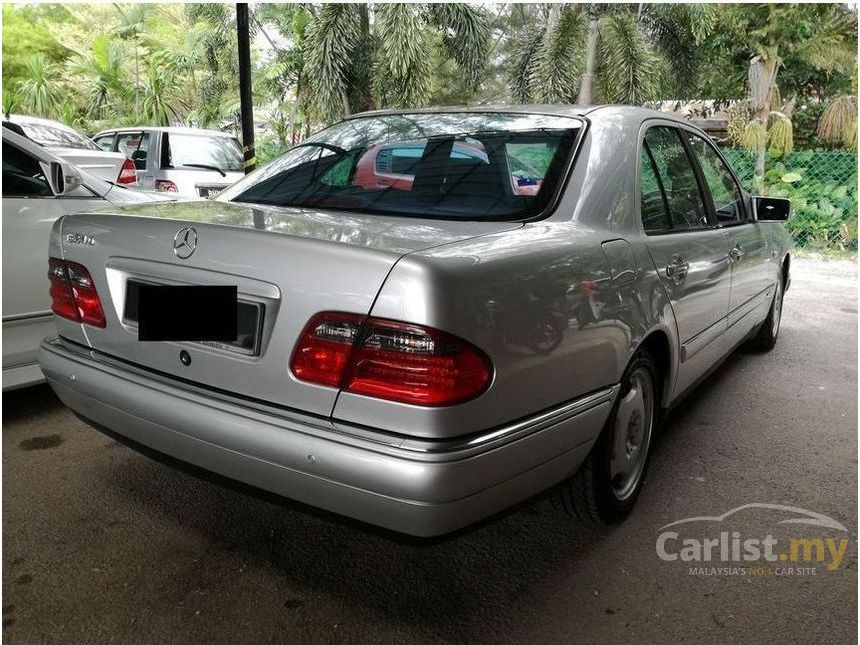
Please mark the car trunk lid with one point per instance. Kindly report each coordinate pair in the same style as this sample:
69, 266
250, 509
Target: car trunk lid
286, 264
101, 163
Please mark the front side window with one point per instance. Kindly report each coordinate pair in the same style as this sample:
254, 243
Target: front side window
469, 166
22, 174
135, 146
674, 174
725, 192
201, 152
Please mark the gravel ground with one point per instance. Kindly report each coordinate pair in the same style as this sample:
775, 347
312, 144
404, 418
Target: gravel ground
101, 544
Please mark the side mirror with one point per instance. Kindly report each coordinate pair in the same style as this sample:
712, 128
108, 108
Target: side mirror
63, 178
772, 209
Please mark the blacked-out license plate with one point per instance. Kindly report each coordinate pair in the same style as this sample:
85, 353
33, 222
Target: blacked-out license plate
193, 313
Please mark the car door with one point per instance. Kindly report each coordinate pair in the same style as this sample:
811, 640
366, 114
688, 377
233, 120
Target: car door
29, 212
748, 249
136, 146
689, 252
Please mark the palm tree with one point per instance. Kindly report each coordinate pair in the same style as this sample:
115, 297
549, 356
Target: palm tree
621, 51
838, 124
767, 34
159, 103
213, 54
39, 93
102, 75
357, 57
133, 21
285, 78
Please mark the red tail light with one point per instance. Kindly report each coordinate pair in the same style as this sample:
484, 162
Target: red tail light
390, 360
127, 174
166, 185
73, 293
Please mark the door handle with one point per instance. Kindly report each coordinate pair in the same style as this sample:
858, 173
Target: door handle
737, 252
678, 269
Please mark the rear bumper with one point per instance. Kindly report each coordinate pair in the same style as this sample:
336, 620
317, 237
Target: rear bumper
20, 376
419, 487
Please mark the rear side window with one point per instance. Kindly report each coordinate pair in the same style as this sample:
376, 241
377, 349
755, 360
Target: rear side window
655, 214
469, 166
725, 192
135, 146
105, 142
22, 174
674, 174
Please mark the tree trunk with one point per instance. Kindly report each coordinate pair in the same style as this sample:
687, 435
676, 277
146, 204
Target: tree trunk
762, 76
586, 84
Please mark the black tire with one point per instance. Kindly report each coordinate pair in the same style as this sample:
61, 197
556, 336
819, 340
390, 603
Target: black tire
765, 339
590, 494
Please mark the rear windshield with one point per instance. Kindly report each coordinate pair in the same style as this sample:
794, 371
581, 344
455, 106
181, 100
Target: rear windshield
57, 137
469, 166
201, 152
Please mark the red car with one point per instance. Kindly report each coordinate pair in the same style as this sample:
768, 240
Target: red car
391, 165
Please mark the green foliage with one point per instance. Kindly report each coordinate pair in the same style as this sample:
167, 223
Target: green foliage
402, 74
740, 114
267, 148
354, 62
159, 104
643, 52
524, 51
10, 101
330, 40
100, 75
678, 32
465, 34
629, 65
807, 114
754, 136
822, 187
39, 92
838, 122
25, 34
779, 137
559, 58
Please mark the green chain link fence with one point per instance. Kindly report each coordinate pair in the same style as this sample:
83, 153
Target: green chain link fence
822, 187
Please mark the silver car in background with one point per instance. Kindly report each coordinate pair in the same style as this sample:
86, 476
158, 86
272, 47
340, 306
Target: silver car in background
426, 349
72, 146
33, 199
191, 162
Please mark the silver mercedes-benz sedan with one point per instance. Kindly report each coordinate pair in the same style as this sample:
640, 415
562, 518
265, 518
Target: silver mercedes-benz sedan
418, 319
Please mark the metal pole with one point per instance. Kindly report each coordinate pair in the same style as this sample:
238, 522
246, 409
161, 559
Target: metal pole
245, 99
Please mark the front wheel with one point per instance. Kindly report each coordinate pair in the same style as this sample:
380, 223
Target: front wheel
765, 339
605, 488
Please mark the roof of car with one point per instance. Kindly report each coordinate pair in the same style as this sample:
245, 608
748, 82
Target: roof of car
556, 110
168, 129
23, 118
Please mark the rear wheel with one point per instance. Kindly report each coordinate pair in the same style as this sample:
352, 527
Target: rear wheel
765, 339
605, 488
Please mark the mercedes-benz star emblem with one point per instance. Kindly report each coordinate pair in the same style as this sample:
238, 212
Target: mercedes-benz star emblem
184, 242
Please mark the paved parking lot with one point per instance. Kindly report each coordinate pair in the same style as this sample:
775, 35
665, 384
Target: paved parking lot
103, 545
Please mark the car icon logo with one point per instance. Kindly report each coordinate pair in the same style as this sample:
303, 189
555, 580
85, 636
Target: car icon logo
184, 242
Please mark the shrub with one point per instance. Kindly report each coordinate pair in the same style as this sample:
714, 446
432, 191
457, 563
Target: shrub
822, 187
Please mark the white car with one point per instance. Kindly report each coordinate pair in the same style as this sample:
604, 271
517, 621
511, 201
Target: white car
190, 162
72, 146
38, 188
